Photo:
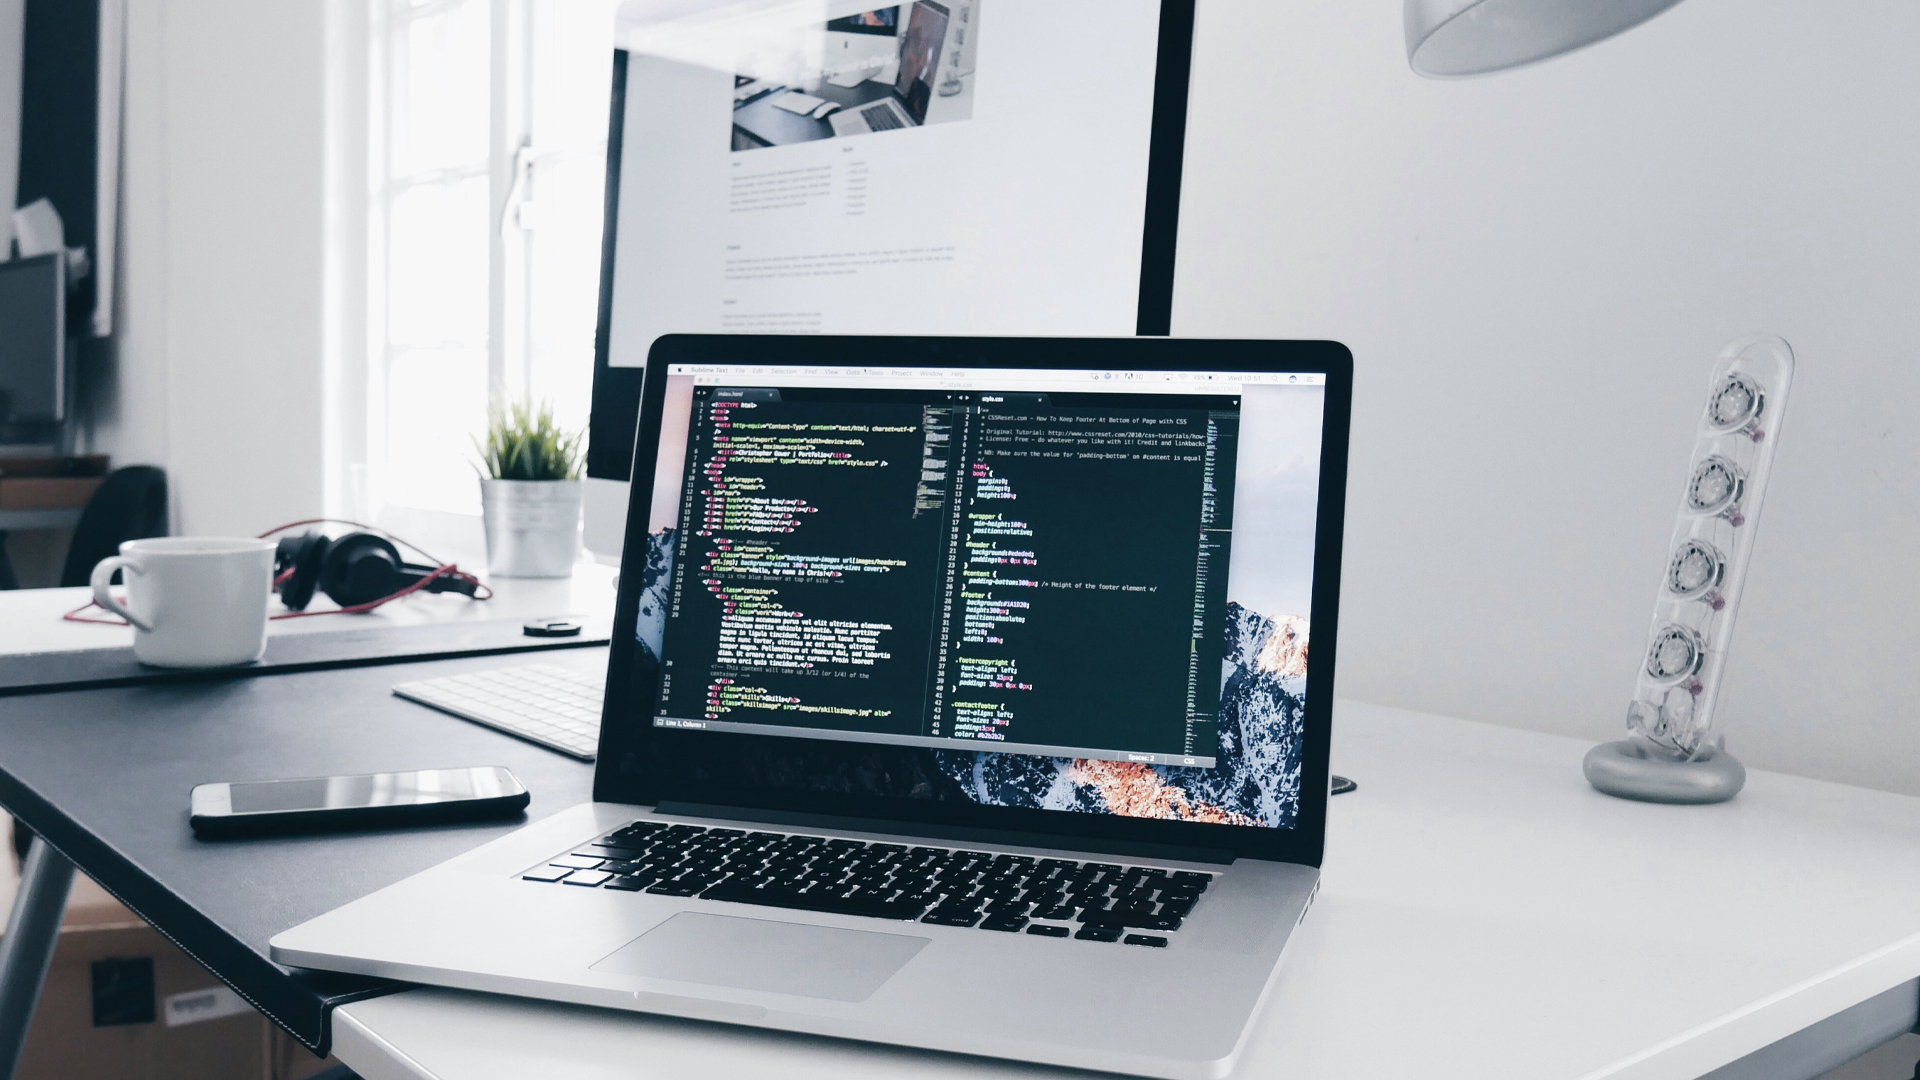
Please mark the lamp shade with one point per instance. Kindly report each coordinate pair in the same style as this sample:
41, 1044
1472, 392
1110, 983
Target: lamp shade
1449, 39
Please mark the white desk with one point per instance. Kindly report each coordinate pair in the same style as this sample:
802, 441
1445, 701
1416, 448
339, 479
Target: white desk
30, 619
1484, 914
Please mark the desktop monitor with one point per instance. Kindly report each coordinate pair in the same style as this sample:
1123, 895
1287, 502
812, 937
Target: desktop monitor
33, 308
1033, 188
862, 46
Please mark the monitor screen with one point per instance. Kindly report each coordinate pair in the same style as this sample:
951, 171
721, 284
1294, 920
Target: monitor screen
33, 307
936, 167
1080, 590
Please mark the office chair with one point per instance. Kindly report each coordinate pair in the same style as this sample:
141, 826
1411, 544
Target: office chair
130, 504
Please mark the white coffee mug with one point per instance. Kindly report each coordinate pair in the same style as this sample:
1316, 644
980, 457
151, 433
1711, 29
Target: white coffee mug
194, 601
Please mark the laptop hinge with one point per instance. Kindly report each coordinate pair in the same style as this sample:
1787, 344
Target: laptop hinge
957, 833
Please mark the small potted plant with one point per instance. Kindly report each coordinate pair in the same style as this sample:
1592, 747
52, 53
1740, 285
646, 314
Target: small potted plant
530, 492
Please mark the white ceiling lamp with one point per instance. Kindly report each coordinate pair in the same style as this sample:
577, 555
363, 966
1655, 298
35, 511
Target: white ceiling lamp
1452, 39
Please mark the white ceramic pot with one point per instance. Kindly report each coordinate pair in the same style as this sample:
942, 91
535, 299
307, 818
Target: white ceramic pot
533, 526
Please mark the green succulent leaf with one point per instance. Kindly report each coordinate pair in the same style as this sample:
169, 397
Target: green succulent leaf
523, 443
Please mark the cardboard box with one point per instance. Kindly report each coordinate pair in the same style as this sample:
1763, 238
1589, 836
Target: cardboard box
122, 1003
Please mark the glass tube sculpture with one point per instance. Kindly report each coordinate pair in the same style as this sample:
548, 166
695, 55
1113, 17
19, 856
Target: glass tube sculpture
959, 54
1673, 753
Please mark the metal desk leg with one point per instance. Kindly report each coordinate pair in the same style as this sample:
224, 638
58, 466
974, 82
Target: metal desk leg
27, 948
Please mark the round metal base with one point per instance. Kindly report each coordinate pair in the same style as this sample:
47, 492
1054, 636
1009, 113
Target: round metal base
1626, 769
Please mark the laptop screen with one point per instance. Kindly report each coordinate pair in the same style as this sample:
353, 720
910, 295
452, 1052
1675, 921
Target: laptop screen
920, 57
1083, 590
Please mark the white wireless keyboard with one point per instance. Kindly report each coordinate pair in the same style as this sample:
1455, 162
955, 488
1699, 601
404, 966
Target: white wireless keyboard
542, 703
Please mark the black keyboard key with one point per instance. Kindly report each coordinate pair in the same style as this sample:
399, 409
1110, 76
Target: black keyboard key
1041, 930
865, 905
1181, 906
588, 878
1098, 932
920, 900
629, 883
1007, 922
678, 888
1118, 919
1063, 911
547, 873
945, 915
1148, 940
1197, 882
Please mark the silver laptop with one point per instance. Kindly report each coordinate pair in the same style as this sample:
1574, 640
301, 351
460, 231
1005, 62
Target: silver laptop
906, 105
959, 698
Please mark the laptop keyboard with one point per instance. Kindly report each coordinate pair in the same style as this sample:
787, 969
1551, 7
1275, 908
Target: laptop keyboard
544, 703
881, 118
1090, 901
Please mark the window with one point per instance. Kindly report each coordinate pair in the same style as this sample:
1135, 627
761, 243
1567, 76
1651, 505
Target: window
487, 158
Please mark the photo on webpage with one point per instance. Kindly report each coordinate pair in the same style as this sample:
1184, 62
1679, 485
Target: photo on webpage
878, 70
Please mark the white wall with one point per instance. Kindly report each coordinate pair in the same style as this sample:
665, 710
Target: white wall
218, 375
1533, 271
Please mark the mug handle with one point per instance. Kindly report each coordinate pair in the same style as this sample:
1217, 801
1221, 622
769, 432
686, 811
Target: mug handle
103, 577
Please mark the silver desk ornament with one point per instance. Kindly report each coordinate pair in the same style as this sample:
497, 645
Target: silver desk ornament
1672, 753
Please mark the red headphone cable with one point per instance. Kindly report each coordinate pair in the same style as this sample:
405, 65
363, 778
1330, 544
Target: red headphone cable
443, 569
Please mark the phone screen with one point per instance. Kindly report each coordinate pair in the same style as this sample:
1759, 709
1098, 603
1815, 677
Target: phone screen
377, 789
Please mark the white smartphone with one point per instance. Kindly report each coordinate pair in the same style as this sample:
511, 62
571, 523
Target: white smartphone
364, 801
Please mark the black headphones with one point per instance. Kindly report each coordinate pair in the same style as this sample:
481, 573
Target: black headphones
358, 568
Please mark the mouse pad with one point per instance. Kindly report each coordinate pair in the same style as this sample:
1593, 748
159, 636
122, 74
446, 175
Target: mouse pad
759, 954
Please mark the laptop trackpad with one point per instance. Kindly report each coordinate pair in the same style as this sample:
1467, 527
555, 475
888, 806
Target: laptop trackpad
759, 954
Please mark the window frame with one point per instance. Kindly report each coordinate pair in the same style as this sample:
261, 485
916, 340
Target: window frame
359, 471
